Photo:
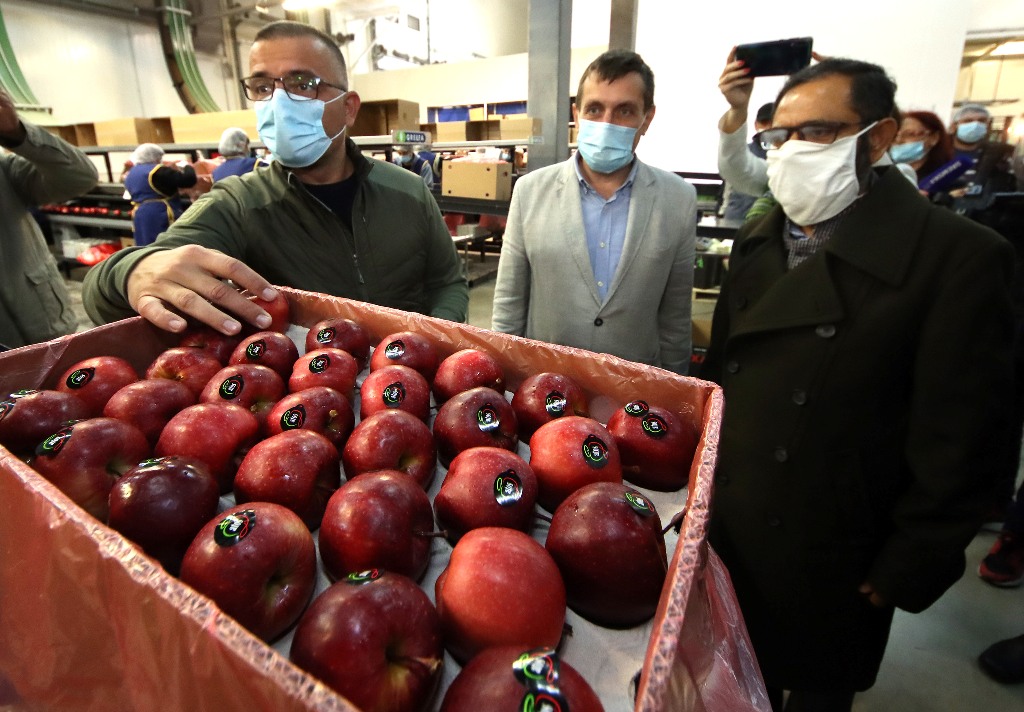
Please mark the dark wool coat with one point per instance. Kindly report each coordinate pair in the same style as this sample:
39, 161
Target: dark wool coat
865, 392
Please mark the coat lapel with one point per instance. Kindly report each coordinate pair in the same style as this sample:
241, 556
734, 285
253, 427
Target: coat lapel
571, 221
641, 206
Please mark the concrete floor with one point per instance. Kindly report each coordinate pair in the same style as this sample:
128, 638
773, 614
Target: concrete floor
931, 661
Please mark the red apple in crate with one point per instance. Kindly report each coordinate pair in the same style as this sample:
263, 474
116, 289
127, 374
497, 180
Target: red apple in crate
257, 562
655, 444
149, 404
85, 458
184, 364
298, 469
479, 417
206, 338
406, 348
217, 434
486, 487
94, 380
570, 452
380, 520
374, 637
278, 308
398, 387
500, 588
328, 367
248, 385
161, 505
391, 440
267, 348
28, 416
543, 397
510, 679
340, 333
319, 409
467, 369
606, 539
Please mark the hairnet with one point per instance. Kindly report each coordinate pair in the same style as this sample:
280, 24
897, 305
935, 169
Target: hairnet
147, 153
233, 142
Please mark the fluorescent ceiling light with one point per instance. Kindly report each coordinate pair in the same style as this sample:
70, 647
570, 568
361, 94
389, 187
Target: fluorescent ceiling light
1007, 48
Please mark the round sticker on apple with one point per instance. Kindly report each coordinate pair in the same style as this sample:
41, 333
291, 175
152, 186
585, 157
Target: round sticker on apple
393, 394
54, 443
232, 387
319, 364
325, 335
396, 349
654, 425
544, 701
595, 452
22, 393
6, 407
537, 666
555, 404
508, 488
234, 527
256, 349
487, 418
640, 504
293, 418
636, 408
79, 377
358, 578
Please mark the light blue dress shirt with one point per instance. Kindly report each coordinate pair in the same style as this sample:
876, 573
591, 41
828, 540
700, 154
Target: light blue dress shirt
604, 222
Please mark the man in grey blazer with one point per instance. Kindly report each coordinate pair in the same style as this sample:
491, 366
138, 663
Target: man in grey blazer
598, 251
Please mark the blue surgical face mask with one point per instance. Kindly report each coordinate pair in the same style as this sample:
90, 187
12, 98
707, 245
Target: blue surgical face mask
972, 132
294, 130
907, 152
605, 147
404, 158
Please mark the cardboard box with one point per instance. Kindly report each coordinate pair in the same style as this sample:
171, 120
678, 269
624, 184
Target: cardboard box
132, 132
477, 113
207, 127
66, 133
519, 128
88, 622
377, 118
487, 181
449, 131
85, 135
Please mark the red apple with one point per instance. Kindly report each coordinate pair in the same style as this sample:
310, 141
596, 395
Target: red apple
375, 638
543, 397
510, 679
191, 366
380, 520
28, 416
257, 562
298, 469
500, 588
406, 348
570, 452
391, 440
486, 487
467, 369
340, 333
94, 380
251, 386
149, 404
398, 387
328, 367
278, 308
162, 504
320, 409
655, 444
267, 348
606, 539
206, 338
85, 458
217, 434
479, 417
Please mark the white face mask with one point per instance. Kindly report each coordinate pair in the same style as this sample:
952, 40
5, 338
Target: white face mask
815, 181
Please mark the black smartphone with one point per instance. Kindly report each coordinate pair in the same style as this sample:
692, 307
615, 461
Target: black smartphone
767, 59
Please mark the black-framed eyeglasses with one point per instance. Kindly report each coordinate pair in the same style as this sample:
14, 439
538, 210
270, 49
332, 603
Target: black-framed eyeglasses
823, 132
301, 87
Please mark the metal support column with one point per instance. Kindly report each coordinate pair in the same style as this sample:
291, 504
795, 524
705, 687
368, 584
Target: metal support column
548, 90
622, 31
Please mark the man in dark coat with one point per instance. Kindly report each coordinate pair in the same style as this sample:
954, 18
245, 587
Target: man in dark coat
862, 339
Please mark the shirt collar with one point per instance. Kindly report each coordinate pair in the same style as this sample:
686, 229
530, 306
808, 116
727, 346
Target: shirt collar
585, 184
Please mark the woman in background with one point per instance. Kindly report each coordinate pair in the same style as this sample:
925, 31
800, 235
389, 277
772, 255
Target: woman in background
922, 143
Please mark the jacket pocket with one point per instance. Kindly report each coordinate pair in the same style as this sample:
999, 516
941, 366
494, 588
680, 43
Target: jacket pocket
46, 311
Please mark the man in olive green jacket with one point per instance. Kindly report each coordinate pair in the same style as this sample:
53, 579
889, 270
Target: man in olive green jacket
38, 168
322, 218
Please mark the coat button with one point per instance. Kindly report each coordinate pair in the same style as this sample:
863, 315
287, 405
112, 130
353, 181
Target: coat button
733, 367
598, 321
781, 455
799, 397
774, 521
826, 331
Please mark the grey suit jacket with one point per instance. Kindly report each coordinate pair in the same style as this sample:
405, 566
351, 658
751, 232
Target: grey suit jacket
545, 287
